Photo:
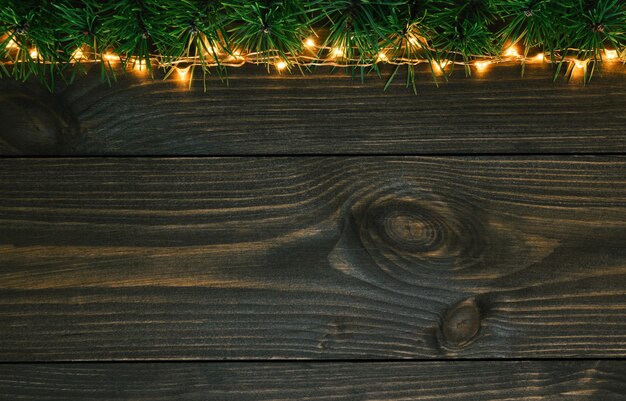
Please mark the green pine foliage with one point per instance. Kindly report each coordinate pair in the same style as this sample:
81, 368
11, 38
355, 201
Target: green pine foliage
358, 34
273, 29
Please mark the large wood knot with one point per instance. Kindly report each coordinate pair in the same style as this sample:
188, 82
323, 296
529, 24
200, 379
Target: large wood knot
422, 232
33, 121
461, 324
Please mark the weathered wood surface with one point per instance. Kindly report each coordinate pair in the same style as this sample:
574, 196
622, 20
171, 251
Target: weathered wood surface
320, 113
364, 257
463, 381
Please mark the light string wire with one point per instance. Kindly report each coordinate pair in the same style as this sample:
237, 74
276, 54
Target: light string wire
49, 39
239, 59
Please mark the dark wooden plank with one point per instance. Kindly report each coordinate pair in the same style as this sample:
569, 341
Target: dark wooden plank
463, 381
323, 113
366, 257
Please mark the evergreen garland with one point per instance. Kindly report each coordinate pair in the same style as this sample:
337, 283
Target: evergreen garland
56, 39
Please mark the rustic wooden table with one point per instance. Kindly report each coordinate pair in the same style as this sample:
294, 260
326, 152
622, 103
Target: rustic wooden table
314, 237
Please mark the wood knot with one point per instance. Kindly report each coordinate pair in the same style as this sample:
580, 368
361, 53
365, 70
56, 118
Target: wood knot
33, 121
461, 324
427, 233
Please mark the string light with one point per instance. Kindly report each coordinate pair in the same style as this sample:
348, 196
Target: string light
139, 65
511, 52
212, 51
78, 54
580, 63
337, 52
439, 68
183, 72
110, 57
414, 42
333, 53
482, 65
237, 56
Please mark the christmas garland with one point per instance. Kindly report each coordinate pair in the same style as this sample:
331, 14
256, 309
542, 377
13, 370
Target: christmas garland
58, 39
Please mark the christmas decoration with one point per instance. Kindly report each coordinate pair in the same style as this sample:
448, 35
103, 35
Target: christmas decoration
55, 40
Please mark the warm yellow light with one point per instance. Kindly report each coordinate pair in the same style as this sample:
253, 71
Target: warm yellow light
438, 68
211, 51
309, 43
209, 47
139, 65
183, 72
34, 53
382, 56
337, 52
539, 57
413, 41
610, 54
78, 54
281, 65
110, 57
580, 63
482, 65
12, 44
237, 55
511, 52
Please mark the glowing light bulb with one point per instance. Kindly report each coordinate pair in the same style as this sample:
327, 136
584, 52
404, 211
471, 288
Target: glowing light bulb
209, 47
439, 68
610, 54
539, 57
382, 56
78, 54
237, 55
482, 65
309, 43
34, 53
580, 63
139, 65
337, 52
414, 42
212, 51
110, 57
281, 65
183, 72
511, 52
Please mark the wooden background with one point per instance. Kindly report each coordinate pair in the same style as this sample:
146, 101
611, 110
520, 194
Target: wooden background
314, 237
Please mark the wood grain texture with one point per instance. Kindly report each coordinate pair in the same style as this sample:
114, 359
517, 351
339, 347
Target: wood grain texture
463, 381
363, 257
326, 113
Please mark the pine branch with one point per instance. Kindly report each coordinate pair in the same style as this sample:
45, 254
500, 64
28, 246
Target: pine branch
60, 39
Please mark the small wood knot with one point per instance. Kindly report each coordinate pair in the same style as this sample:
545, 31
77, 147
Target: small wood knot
421, 233
461, 324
